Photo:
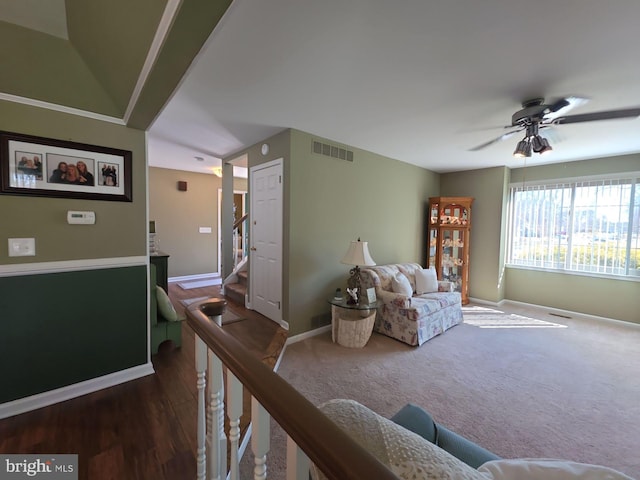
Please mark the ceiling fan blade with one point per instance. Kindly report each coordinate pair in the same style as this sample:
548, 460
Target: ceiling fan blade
562, 106
604, 115
504, 136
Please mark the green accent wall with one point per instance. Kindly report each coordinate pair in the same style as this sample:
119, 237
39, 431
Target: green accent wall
64, 328
67, 327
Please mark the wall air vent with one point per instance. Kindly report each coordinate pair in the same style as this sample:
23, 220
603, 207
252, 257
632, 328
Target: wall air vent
332, 151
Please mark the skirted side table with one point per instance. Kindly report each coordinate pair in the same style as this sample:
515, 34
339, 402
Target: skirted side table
352, 324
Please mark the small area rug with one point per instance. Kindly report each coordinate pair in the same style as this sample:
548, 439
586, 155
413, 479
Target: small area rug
205, 282
227, 317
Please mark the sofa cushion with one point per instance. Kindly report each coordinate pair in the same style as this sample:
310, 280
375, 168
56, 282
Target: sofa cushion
400, 284
426, 281
548, 469
165, 307
405, 453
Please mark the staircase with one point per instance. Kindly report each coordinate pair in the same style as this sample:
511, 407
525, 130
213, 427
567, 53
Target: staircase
236, 291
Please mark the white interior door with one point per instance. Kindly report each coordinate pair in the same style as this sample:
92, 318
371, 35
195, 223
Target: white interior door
265, 255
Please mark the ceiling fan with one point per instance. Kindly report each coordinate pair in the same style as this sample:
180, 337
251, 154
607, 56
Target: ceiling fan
537, 115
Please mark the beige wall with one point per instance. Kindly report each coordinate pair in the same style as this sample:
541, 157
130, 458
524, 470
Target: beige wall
119, 230
178, 216
488, 216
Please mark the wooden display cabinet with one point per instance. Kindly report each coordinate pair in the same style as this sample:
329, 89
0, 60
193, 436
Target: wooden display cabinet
448, 234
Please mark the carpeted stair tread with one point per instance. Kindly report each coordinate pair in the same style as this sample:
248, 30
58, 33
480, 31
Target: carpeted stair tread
236, 292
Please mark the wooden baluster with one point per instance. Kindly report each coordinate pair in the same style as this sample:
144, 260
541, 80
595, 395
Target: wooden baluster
216, 438
201, 371
260, 436
234, 407
297, 462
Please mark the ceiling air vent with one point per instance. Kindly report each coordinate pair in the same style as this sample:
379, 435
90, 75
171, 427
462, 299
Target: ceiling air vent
332, 151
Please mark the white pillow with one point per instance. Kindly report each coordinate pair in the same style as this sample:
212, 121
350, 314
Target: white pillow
426, 281
400, 284
548, 469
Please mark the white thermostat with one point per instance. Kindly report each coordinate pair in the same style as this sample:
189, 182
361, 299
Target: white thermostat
81, 218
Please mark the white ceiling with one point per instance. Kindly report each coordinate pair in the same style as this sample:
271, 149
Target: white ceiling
418, 81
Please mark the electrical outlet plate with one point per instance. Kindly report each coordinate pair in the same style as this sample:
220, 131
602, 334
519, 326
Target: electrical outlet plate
22, 247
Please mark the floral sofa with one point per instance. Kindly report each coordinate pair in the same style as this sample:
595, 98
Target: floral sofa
411, 319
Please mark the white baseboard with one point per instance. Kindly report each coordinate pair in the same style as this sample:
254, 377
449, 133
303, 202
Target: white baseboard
571, 314
27, 404
309, 334
200, 276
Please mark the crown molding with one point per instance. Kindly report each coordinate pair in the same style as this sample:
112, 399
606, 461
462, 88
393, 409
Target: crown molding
60, 108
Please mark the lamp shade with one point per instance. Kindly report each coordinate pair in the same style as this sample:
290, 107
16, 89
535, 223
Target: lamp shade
358, 254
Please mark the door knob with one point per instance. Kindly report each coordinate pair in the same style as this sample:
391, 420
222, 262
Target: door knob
253, 249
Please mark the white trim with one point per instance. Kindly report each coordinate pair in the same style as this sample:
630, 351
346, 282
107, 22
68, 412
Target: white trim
486, 302
309, 334
572, 314
27, 404
152, 55
558, 311
199, 276
61, 108
218, 26
580, 273
71, 265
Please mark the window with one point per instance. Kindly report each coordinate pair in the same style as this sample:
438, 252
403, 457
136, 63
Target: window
591, 226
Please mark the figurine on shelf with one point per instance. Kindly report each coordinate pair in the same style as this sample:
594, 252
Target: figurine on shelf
353, 296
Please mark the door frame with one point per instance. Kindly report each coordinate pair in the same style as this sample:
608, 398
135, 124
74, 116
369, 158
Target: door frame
252, 210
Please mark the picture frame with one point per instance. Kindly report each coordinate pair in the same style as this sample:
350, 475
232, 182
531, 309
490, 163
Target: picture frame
371, 295
46, 167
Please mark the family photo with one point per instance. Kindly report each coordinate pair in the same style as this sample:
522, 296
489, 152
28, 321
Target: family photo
70, 170
56, 168
29, 164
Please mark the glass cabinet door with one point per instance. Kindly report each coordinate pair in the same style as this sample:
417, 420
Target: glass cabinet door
452, 256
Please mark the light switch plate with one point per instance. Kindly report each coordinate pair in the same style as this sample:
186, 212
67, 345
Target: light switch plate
204, 229
22, 247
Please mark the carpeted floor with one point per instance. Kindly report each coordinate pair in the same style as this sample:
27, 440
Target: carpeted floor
520, 383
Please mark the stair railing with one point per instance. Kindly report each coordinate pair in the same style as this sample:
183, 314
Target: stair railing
311, 436
236, 236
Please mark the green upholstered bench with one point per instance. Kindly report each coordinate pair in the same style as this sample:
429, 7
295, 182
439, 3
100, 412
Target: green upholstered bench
162, 328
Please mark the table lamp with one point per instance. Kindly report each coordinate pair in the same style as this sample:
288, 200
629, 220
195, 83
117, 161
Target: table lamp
358, 254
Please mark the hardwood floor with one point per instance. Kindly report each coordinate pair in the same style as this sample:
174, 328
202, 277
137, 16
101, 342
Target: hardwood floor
146, 428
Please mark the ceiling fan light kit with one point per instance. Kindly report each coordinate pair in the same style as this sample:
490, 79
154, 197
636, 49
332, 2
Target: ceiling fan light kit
523, 149
535, 114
